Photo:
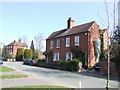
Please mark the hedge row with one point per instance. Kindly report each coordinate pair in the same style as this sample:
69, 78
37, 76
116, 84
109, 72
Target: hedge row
71, 65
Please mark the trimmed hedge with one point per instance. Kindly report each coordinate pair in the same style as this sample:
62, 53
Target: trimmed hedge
71, 65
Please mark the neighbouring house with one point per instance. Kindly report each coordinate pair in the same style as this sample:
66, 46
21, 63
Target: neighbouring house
59, 44
105, 39
13, 46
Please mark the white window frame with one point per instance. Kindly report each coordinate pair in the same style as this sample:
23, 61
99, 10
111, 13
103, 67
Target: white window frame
67, 56
76, 40
51, 44
56, 56
58, 43
67, 42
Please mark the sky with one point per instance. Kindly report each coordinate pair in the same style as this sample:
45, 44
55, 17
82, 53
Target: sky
18, 19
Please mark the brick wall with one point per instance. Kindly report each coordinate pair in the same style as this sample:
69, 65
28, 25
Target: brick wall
85, 44
93, 35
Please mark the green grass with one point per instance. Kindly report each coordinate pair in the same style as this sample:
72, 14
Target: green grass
12, 76
5, 69
38, 87
41, 86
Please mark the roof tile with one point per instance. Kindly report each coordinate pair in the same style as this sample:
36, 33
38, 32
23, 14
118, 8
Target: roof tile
74, 30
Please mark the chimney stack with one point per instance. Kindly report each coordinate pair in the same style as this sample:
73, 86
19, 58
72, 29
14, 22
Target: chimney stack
70, 23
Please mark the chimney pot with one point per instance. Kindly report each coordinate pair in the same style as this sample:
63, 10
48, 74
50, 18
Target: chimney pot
70, 23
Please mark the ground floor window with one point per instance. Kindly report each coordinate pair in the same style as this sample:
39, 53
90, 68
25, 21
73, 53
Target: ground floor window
56, 56
69, 56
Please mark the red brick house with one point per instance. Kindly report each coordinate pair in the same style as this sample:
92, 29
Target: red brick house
13, 46
60, 43
105, 40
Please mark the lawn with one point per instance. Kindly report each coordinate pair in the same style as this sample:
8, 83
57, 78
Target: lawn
40, 87
5, 69
12, 76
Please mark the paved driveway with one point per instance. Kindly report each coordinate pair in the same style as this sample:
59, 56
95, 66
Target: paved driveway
88, 79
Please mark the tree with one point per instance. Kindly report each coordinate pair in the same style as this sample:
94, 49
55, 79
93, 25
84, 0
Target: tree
1, 46
20, 54
4, 51
115, 49
33, 49
28, 53
32, 46
10, 56
113, 20
39, 41
24, 39
35, 54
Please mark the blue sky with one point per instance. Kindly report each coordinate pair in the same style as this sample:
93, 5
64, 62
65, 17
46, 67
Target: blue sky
25, 18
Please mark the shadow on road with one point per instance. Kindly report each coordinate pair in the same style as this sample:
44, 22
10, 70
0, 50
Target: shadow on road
98, 74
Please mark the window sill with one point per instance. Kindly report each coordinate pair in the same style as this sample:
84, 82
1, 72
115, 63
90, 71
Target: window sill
57, 47
76, 44
67, 46
51, 48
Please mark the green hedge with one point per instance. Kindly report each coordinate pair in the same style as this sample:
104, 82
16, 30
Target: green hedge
71, 65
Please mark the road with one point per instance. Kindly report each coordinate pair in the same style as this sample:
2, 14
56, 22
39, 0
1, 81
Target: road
90, 79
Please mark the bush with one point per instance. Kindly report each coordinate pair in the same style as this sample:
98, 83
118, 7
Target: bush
20, 54
69, 65
28, 53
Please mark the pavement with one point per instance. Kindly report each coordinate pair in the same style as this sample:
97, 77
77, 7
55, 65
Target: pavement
45, 76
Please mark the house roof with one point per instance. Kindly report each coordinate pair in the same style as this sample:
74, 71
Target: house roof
74, 30
18, 44
102, 31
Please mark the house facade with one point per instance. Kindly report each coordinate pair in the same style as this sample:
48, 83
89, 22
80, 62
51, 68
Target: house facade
105, 39
13, 46
60, 44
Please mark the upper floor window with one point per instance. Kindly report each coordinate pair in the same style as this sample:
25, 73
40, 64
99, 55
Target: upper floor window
58, 43
76, 40
67, 42
51, 44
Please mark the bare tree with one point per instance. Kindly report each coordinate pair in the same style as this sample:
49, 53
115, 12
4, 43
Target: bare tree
114, 23
1, 46
39, 41
24, 39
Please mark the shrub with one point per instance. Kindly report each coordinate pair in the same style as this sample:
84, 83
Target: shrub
20, 54
69, 65
28, 53
72, 65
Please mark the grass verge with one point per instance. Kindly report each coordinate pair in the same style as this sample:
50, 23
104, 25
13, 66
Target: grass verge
6, 69
38, 87
12, 76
